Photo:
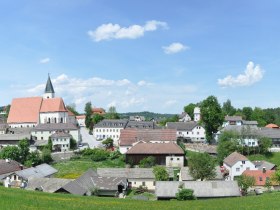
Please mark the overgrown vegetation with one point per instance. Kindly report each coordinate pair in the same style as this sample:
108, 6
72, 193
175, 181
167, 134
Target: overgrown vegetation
147, 162
244, 182
160, 173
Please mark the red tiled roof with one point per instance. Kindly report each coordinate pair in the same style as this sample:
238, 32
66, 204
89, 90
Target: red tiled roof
130, 136
53, 105
272, 126
98, 111
25, 110
81, 117
9, 167
234, 158
155, 148
260, 176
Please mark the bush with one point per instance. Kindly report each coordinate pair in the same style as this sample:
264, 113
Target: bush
147, 162
185, 194
141, 189
160, 173
99, 154
46, 155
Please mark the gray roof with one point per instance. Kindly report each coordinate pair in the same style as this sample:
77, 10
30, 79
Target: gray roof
263, 164
85, 183
49, 86
186, 176
111, 124
234, 158
182, 126
246, 129
14, 137
130, 173
40, 142
273, 133
233, 118
55, 126
141, 124
61, 134
9, 166
49, 185
250, 122
202, 189
40, 171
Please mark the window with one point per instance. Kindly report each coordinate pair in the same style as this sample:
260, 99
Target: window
15, 177
243, 161
143, 184
237, 169
253, 143
154, 183
178, 158
41, 138
260, 178
171, 158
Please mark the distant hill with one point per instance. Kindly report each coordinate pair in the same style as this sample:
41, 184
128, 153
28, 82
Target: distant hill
148, 115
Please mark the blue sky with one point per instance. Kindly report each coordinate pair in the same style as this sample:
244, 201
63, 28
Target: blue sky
141, 55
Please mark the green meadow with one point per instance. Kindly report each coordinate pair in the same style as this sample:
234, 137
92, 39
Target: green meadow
15, 199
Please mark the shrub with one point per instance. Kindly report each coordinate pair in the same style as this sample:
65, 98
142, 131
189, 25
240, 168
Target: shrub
147, 162
185, 194
160, 173
99, 154
141, 189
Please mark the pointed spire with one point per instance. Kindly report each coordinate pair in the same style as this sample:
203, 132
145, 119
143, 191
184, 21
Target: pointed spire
49, 86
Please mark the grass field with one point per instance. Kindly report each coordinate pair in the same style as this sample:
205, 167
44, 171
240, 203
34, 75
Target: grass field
273, 157
14, 199
72, 169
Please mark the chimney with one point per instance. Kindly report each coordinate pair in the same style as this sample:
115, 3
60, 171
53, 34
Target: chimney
7, 160
21, 167
264, 169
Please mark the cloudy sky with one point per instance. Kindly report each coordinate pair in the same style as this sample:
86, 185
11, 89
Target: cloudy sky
156, 55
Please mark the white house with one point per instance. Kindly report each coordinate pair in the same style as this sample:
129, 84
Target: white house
196, 114
191, 131
235, 164
61, 141
81, 119
184, 117
109, 129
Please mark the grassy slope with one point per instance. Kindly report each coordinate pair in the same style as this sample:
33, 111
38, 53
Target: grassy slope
14, 199
272, 157
74, 168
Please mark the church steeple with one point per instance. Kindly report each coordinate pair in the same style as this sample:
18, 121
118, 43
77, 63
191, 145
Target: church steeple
49, 91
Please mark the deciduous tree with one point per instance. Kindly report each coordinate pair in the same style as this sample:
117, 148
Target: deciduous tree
160, 173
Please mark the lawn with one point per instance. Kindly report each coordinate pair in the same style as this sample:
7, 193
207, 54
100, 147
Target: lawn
14, 199
72, 169
273, 157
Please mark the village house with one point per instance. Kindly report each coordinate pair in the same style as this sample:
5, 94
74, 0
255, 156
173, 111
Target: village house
167, 154
19, 179
261, 178
90, 182
128, 137
166, 190
8, 166
189, 131
136, 176
184, 117
99, 111
235, 164
109, 129
136, 118
61, 141
81, 120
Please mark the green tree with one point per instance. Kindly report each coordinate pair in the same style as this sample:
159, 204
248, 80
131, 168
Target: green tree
46, 155
23, 146
228, 109
108, 143
228, 143
73, 144
112, 113
50, 144
184, 194
259, 115
147, 162
244, 182
8, 107
211, 116
276, 176
264, 144
10, 152
160, 173
88, 112
202, 166
189, 109
33, 159
96, 118
247, 113
72, 108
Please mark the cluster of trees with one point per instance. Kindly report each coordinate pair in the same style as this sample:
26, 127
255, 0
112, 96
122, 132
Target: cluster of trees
213, 113
229, 141
22, 154
92, 119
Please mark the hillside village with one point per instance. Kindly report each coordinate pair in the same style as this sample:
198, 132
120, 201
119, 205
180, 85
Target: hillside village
164, 161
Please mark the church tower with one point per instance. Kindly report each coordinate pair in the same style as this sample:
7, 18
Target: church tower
49, 91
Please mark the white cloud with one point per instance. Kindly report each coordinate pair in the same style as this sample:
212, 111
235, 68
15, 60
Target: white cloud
115, 31
251, 75
175, 47
45, 60
124, 94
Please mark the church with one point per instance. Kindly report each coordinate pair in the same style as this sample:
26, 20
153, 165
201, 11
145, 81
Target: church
32, 111
45, 117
